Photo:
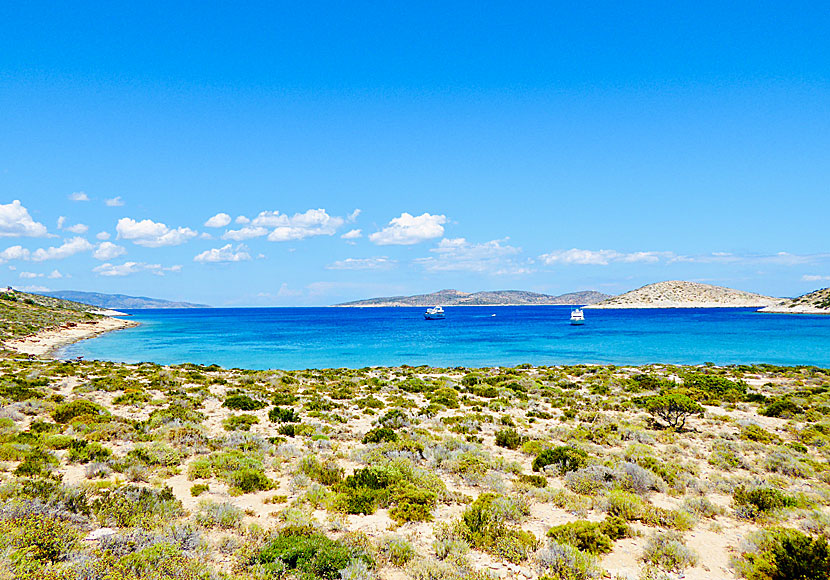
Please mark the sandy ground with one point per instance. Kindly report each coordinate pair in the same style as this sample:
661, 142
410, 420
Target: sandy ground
46, 342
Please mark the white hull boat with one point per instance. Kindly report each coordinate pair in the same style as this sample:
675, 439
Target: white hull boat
435, 313
577, 317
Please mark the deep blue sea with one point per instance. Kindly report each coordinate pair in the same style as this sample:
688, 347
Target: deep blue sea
299, 338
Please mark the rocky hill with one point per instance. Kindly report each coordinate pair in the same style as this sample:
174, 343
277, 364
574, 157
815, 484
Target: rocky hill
817, 302
23, 314
485, 298
680, 294
117, 301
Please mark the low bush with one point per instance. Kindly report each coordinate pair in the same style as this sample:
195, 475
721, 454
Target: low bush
243, 403
564, 562
508, 438
761, 500
242, 422
485, 524
784, 554
666, 551
565, 457
281, 415
309, 554
67, 412
380, 435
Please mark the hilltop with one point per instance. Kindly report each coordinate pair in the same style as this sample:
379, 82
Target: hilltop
817, 302
680, 294
485, 298
120, 300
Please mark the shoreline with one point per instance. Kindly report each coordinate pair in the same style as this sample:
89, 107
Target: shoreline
45, 344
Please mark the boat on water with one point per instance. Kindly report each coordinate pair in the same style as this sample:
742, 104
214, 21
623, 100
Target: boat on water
577, 317
434, 313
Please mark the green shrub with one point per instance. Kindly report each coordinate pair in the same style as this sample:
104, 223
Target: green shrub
199, 489
762, 500
565, 457
66, 412
281, 415
380, 435
714, 388
533, 480
485, 525
218, 515
242, 422
243, 403
326, 472
81, 451
508, 438
39, 536
583, 535
310, 554
784, 554
781, 408
446, 396
755, 433
673, 409
397, 550
249, 480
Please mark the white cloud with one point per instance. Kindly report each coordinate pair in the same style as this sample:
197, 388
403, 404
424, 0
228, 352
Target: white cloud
128, 268
114, 202
78, 196
380, 263
70, 247
602, 257
15, 221
78, 229
457, 254
34, 288
352, 235
55, 274
814, 278
61, 222
245, 233
220, 220
108, 251
242, 220
103, 235
353, 216
224, 254
314, 222
407, 230
14, 253
152, 234
30, 275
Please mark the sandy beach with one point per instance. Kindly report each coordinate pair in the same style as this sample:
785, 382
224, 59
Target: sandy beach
46, 342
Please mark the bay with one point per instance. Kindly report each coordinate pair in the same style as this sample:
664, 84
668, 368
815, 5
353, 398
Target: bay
472, 336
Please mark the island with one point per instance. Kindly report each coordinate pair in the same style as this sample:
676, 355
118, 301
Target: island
816, 302
681, 294
485, 298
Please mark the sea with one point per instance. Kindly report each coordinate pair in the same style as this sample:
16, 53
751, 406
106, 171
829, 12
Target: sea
470, 336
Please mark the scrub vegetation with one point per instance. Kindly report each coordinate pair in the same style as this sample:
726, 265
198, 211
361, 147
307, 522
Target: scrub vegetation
141, 471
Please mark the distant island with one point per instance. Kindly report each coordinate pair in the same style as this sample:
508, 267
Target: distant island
485, 298
817, 302
680, 294
116, 301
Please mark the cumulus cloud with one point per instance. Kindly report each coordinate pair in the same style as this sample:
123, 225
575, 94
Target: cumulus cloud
15, 221
814, 278
602, 257
314, 222
407, 230
114, 202
108, 251
224, 254
128, 268
70, 247
103, 235
54, 275
14, 253
457, 254
152, 234
220, 220
242, 220
245, 233
352, 235
78, 196
380, 263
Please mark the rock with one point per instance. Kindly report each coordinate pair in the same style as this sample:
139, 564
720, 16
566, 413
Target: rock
96, 535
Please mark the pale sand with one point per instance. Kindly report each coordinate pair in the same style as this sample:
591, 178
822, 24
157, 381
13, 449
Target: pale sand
46, 342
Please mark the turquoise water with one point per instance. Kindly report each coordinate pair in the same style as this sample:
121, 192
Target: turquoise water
298, 338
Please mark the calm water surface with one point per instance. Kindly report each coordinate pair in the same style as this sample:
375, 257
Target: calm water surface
299, 338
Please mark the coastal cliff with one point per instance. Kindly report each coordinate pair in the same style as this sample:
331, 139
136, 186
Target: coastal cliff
817, 302
680, 294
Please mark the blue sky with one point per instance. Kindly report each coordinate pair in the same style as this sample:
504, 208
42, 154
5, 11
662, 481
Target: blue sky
277, 154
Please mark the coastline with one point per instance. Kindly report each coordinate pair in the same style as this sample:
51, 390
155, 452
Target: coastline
45, 343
